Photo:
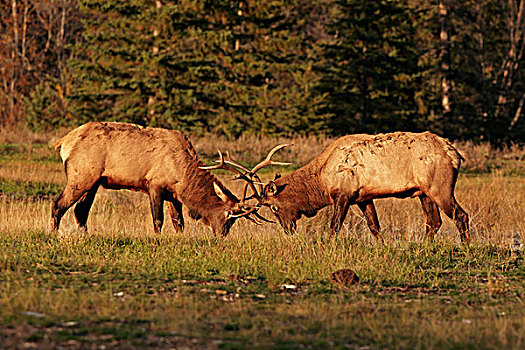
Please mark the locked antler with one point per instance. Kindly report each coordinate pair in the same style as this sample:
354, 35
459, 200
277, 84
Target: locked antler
226, 166
248, 175
251, 174
268, 160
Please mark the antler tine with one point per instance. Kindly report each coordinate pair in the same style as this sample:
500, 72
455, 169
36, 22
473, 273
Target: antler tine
259, 216
232, 162
253, 219
253, 215
245, 191
268, 161
247, 213
247, 172
225, 165
218, 166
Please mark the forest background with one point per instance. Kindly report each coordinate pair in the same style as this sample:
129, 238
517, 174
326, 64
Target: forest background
267, 67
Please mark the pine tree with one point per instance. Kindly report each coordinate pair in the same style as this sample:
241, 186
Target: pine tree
111, 80
372, 77
230, 67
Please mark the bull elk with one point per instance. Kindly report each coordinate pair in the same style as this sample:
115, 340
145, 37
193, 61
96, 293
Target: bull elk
161, 163
356, 169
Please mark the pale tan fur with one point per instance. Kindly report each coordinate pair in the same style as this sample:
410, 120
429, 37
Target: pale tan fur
159, 162
389, 164
359, 168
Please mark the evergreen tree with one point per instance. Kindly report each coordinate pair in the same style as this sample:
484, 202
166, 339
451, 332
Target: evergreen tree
226, 66
479, 44
487, 73
372, 76
111, 79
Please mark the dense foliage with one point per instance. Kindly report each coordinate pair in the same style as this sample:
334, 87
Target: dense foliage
269, 67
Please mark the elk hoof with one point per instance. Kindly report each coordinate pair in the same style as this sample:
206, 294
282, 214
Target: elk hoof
344, 278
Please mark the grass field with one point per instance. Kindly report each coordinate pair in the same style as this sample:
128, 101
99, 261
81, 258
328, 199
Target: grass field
121, 286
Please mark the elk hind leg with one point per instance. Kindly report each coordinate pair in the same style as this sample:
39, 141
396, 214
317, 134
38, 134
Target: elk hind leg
431, 211
369, 211
460, 216
84, 205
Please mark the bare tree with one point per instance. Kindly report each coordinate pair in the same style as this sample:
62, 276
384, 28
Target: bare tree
515, 23
34, 35
444, 57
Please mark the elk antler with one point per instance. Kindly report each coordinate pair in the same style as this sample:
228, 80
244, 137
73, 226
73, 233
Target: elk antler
248, 175
252, 214
268, 160
254, 217
230, 165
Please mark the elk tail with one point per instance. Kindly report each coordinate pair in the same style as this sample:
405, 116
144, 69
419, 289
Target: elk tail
64, 146
455, 156
59, 143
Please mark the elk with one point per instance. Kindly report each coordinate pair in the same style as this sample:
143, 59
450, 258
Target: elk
356, 169
159, 162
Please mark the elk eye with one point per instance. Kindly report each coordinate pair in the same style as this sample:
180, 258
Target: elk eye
228, 214
274, 208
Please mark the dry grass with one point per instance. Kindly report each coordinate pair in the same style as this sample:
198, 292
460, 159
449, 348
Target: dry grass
495, 204
485, 158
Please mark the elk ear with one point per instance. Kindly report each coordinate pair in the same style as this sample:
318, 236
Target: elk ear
219, 192
271, 188
277, 175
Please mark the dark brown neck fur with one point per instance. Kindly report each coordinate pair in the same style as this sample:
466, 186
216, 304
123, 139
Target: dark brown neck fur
199, 194
304, 187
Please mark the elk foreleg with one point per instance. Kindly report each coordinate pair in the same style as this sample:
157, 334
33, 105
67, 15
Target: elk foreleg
175, 209
369, 211
431, 211
341, 204
84, 205
156, 202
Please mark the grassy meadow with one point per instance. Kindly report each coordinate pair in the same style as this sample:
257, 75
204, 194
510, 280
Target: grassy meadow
122, 286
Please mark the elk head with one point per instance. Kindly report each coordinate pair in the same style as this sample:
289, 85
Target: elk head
266, 195
238, 208
283, 206
228, 211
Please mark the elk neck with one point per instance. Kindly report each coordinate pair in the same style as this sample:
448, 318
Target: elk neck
304, 186
199, 194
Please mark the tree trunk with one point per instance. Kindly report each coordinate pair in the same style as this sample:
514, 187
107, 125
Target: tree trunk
363, 112
11, 117
155, 50
518, 114
444, 56
516, 26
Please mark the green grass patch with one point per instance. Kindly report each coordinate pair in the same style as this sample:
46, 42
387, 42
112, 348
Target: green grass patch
22, 189
228, 293
34, 153
121, 287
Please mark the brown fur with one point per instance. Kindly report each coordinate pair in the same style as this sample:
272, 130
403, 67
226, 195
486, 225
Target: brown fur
161, 163
356, 169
